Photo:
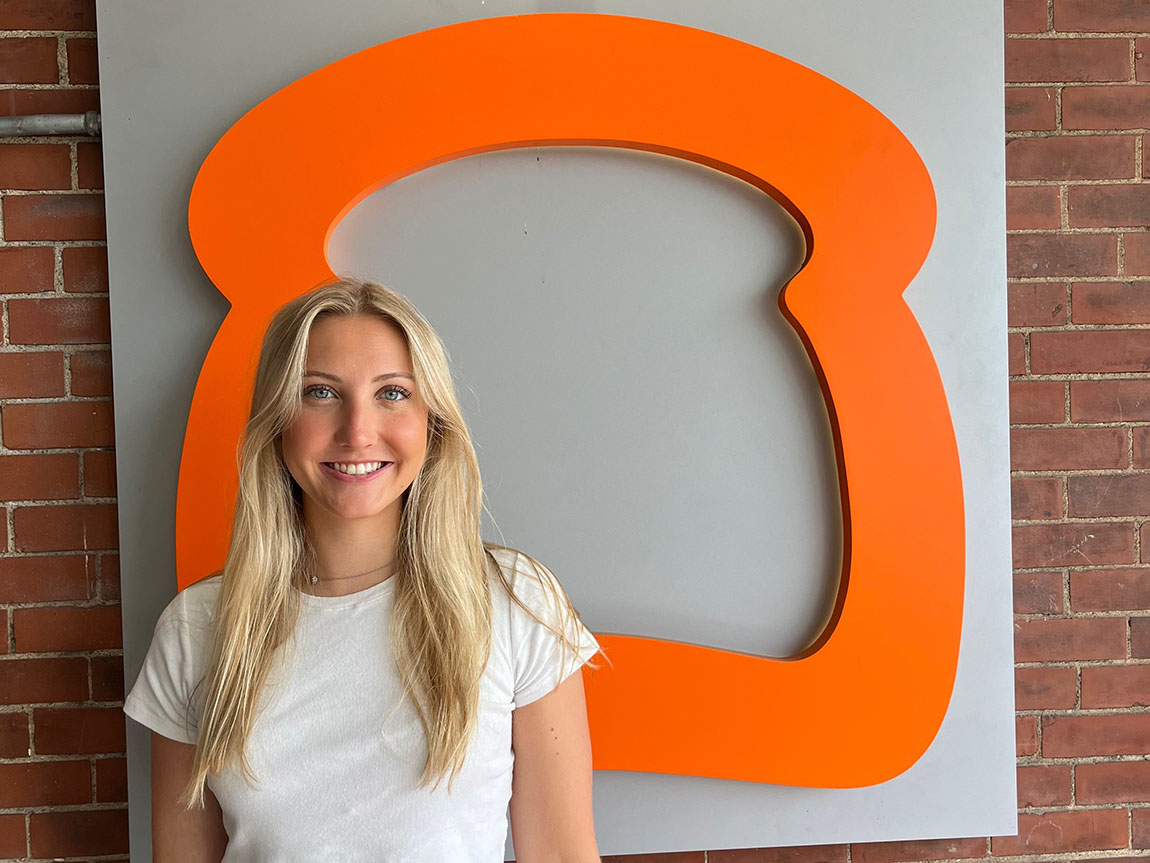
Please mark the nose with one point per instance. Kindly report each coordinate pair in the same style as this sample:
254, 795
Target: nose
356, 429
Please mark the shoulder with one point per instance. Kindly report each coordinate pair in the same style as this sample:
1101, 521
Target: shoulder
523, 577
193, 607
529, 594
546, 639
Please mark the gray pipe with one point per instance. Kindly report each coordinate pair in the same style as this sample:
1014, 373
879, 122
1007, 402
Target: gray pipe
50, 124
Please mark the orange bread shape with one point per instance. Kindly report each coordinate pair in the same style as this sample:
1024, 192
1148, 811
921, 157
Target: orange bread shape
866, 700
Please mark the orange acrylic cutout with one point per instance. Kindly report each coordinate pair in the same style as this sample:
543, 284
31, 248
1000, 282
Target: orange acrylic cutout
865, 701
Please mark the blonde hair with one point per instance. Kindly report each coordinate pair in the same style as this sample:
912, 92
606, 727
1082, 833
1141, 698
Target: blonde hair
441, 620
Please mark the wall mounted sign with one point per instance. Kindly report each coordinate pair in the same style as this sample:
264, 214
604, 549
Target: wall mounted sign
697, 738
866, 205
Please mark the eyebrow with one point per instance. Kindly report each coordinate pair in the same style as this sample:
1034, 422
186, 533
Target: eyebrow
385, 376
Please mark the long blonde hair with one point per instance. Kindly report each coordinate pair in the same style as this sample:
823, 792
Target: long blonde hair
441, 621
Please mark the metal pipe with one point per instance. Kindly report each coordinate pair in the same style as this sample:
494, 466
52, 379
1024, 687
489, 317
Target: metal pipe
50, 124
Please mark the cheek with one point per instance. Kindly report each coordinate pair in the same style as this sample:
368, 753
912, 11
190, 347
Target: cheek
412, 435
298, 441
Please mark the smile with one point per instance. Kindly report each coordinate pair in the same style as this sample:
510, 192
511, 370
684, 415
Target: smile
363, 468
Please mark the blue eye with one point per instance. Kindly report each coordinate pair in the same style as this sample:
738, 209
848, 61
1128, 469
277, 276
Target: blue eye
394, 394
320, 392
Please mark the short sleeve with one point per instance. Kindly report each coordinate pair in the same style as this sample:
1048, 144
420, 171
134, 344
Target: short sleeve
541, 660
162, 697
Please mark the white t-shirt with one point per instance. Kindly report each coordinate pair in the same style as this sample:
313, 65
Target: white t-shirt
336, 751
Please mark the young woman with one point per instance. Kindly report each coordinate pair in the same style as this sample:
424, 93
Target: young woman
366, 679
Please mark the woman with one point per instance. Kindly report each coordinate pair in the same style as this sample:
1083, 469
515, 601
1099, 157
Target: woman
362, 644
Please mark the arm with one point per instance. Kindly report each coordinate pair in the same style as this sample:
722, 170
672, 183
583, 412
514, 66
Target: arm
551, 816
182, 835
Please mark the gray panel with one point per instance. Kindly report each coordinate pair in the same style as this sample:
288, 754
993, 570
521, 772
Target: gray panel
175, 75
646, 420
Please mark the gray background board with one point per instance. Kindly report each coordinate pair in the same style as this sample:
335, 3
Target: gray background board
684, 434
582, 294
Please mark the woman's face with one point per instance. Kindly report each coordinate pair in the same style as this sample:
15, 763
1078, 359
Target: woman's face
361, 434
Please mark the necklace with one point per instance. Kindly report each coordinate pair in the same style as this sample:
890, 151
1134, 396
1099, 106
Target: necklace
315, 579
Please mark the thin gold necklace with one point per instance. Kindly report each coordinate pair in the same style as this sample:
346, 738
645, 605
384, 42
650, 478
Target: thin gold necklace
315, 579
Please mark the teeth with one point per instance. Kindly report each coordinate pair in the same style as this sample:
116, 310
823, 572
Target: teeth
357, 469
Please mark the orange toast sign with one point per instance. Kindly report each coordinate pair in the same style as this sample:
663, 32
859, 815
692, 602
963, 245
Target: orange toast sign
864, 702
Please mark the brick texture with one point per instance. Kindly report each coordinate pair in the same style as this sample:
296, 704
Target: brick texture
47, 578
28, 61
1113, 782
1030, 109
1110, 401
1037, 402
1116, 686
1077, 158
63, 424
42, 681
1091, 352
1025, 16
1036, 304
35, 166
1055, 60
47, 15
1101, 16
1081, 736
1107, 494
12, 839
1032, 208
1058, 832
31, 375
39, 477
83, 65
15, 739
26, 269
1110, 589
87, 730
54, 217
40, 101
1069, 640
1068, 448
67, 834
1045, 688
1140, 824
1108, 206
62, 777
905, 852
1038, 593
1034, 498
1037, 256
112, 780
1105, 107
1111, 303
91, 373
85, 270
1137, 251
66, 527
1140, 638
65, 321
1140, 446
44, 784
1073, 544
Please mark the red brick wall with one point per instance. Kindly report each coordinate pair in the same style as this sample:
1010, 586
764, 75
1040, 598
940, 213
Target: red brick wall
1078, 206
62, 769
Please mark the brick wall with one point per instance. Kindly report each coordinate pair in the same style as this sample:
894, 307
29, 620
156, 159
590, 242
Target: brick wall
1078, 200
62, 768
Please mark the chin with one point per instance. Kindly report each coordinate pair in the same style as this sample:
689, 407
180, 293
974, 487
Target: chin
363, 513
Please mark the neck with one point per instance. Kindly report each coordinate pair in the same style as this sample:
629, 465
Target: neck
363, 549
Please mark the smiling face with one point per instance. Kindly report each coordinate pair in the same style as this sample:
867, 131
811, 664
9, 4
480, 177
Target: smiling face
361, 434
